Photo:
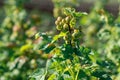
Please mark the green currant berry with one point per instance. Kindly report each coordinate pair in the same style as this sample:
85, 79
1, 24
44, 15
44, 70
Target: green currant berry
59, 18
59, 27
76, 35
65, 26
63, 21
76, 30
67, 19
57, 22
67, 42
66, 38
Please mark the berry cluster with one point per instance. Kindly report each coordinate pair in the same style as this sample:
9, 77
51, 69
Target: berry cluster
68, 26
62, 24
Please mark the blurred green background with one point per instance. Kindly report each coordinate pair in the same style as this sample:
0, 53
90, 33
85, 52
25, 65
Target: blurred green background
20, 20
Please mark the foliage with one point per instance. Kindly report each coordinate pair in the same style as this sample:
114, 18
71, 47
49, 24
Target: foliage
60, 4
70, 60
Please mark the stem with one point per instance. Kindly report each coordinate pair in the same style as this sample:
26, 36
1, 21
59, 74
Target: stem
70, 71
70, 33
78, 45
77, 75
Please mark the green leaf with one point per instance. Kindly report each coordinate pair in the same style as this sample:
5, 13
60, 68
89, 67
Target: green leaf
56, 37
79, 14
48, 47
43, 35
69, 11
39, 74
72, 22
37, 35
52, 77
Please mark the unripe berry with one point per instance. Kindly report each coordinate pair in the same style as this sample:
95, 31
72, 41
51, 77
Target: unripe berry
57, 22
76, 30
67, 19
76, 35
65, 26
63, 21
59, 27
59, 18
67, 42
66, 38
